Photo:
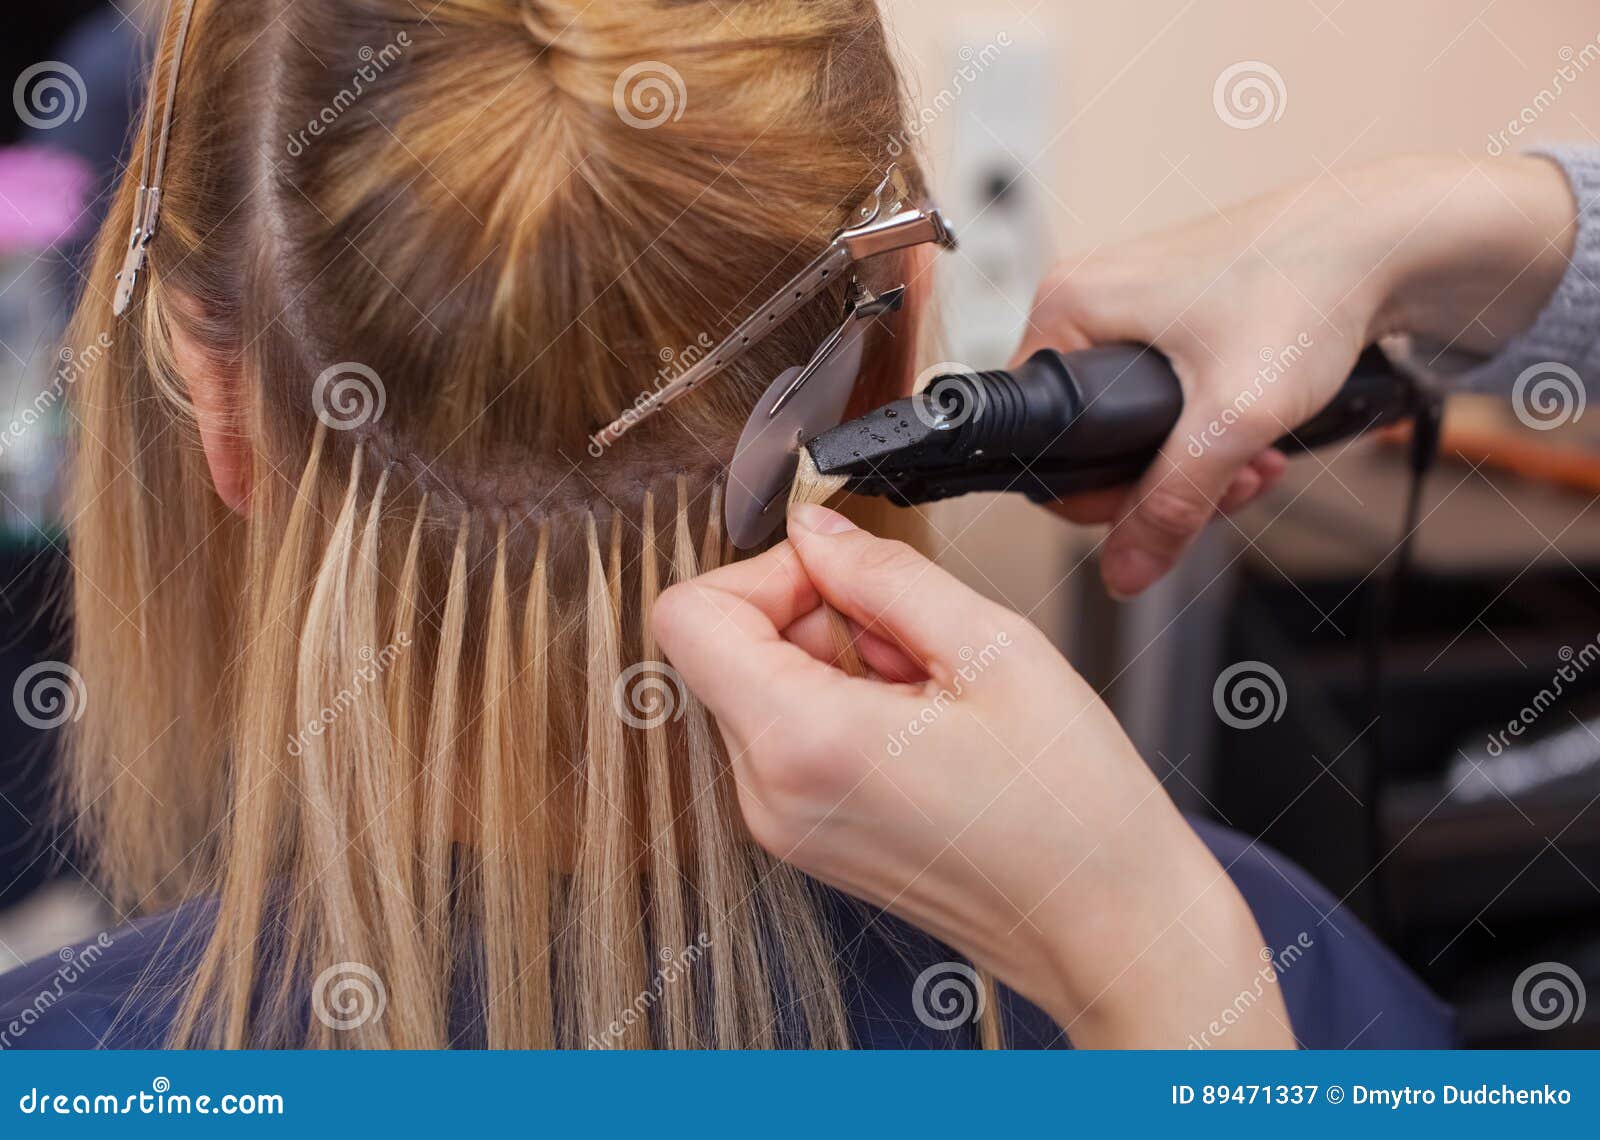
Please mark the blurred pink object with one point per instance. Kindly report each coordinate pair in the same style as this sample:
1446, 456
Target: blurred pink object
43, 193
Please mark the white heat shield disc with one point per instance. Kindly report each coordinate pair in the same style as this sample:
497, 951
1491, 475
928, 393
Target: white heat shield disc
769, 450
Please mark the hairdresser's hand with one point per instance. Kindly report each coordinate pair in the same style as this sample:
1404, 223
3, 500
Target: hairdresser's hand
975, 785
1263, 310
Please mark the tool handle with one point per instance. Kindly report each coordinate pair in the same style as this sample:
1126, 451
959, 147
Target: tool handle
1068, 422
1125, 401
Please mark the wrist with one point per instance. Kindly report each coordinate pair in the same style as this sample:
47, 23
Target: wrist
1467, 253
1413, 225
1167, 954
1353, 240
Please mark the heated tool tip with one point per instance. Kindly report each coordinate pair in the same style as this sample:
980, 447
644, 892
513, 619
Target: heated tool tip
888, 437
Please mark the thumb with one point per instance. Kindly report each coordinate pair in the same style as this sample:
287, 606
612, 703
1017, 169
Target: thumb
1180, 493
892, 591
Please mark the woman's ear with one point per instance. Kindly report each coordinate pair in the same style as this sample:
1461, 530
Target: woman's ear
218, 411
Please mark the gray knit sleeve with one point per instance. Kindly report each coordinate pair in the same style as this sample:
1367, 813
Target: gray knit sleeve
1568, 331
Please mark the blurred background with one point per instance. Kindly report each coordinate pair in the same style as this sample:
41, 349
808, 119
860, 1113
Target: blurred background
1054, 127
62, 138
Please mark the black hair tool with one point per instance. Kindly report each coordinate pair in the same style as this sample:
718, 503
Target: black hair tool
1061, 423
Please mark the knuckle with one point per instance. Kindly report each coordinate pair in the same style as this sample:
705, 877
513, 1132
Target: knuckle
1017, 646
1092, 286
1172, 514
1055, 288
806, 765
1065, 295
890, 558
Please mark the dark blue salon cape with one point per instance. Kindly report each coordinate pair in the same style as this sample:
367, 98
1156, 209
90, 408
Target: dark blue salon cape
1346, 991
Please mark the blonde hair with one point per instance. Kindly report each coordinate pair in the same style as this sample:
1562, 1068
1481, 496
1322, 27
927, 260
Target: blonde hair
388, 716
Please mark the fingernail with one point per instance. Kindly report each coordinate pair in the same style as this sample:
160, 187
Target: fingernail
819, 520
1128, 572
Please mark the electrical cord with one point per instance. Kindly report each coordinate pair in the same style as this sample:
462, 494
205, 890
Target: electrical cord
1385, 598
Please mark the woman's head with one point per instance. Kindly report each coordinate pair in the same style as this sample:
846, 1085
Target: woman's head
362, 617
512, 215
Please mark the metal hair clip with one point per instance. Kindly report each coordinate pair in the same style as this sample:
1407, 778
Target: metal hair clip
887, 221
862, 304
147, 205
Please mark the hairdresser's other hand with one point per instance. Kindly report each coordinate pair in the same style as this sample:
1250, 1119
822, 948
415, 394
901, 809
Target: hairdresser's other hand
994, 802
1263, 309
